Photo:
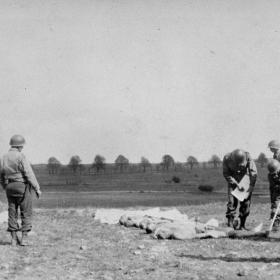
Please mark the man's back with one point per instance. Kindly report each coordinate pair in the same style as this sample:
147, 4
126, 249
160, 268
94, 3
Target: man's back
11, 165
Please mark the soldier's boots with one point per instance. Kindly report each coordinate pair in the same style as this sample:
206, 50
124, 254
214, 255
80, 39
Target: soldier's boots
14, 238
236, 224
230, 222
233, 223
242, 223
24, 239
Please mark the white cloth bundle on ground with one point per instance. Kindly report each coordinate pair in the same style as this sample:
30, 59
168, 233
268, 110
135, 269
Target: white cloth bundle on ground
112, 216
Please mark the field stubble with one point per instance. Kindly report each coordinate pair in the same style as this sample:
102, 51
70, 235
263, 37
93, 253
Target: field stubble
137, 189
70, 244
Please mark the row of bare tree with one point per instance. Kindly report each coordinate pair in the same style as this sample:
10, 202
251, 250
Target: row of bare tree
122, 163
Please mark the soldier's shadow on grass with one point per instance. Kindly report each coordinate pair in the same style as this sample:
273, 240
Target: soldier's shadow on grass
262, 239
229, 258
257, 237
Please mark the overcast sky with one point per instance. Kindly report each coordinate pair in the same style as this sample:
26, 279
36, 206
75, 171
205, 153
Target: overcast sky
139, 77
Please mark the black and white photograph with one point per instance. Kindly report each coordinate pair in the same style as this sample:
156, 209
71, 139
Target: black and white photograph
139, 139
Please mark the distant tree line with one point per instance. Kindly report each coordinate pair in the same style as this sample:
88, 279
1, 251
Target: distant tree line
53, 165
122, 164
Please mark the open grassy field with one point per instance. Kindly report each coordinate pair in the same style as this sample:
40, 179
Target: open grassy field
129, 199
63, 221
139, 181
121, 199
130, 181
136, 189
115, 252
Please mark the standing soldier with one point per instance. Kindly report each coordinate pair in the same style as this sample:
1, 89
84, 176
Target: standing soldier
235, 165
273, 167
274, 146
18, 179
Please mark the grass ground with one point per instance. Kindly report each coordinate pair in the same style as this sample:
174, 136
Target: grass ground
136, 188
120, 199
115, 252
140, 181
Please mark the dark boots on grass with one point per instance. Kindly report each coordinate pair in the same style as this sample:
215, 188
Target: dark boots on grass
242, 223
15, 240
24, 239
233, 223
237, 224
230, 222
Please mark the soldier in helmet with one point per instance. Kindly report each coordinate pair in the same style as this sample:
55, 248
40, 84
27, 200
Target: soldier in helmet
18, 179
235, 165
273, 167
274, 146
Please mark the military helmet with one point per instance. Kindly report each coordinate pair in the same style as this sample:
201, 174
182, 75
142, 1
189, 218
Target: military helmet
17, 141
239, 156
273, 165
275, 144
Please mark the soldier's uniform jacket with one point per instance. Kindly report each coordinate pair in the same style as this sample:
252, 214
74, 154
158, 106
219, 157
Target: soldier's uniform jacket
232, 170
274, 188
277, 155
14, 167
274, 179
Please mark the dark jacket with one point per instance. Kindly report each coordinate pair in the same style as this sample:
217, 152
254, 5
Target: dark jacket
232, 170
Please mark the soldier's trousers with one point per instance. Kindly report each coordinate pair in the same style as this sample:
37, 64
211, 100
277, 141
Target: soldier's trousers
244, 208
275, 199
19, 198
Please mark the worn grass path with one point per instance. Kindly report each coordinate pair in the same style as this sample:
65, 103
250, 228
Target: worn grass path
115, 252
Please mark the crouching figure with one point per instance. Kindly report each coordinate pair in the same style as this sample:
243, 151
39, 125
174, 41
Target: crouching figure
235, 166
273, 167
